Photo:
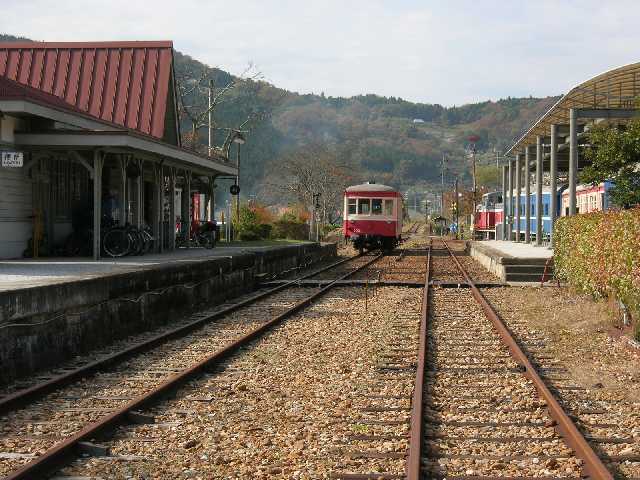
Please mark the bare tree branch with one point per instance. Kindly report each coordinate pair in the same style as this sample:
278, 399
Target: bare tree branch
193, 93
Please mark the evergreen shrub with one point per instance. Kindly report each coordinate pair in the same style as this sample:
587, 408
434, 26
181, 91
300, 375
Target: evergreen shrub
599, 253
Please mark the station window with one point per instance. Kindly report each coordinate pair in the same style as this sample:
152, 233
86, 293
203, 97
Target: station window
351, 206
364, 206
546, 209
388, 207
376, 206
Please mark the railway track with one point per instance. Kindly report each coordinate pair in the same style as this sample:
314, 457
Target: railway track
480, 408
444, 392
608, 417
413, 228
50, 423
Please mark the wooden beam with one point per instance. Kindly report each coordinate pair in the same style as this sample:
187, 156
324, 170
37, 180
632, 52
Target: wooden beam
98, 163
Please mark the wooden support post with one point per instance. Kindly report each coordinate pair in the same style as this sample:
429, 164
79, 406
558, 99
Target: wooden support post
159, 203
172, 209
98, 163
212, 184
187, 192
122, 195
139, 194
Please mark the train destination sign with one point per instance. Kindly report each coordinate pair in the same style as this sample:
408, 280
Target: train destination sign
12, 159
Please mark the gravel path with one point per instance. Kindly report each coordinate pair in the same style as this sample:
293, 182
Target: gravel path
596, 378
299, 403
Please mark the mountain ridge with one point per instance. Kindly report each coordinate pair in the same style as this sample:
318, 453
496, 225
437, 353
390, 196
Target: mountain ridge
388, 139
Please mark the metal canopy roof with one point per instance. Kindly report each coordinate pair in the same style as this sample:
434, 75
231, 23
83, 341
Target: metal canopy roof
617, 88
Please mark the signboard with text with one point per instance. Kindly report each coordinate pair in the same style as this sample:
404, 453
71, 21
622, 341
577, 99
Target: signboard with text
12, 159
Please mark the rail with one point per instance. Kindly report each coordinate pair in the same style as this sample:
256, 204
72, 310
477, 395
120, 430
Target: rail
61, 453
417, 406
24, 396
593, 466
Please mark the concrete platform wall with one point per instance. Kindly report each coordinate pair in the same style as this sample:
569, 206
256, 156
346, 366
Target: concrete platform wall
509, 268
43, 326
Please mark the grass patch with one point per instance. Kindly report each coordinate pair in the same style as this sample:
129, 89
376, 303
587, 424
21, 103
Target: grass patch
360, 428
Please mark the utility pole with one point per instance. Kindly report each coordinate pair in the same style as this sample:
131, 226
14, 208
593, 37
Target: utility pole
442, 188
457, 204
238, 184
210, 119
473, 139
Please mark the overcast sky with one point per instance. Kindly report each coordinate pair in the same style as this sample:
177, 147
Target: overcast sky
446, 51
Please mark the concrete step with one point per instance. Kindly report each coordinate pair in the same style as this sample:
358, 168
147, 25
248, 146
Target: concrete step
527, 269
524, 277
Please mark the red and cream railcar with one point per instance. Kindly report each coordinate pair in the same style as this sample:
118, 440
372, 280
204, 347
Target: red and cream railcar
372, 216
489, 213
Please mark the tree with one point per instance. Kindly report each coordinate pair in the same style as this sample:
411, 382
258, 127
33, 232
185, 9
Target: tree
199, 95
615, 155
488, 176
311, 170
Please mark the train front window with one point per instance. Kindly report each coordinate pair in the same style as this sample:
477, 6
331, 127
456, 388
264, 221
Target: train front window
376, 206
352, 206
388, 207
364, 206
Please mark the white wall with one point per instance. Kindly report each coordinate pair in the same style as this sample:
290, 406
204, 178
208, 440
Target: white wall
15, 200
15, 208
7, 126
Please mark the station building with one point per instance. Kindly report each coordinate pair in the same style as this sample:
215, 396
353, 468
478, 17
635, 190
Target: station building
88, 129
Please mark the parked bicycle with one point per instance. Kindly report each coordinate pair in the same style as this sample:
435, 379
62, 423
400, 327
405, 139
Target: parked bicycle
119, 241
116, 240
203, 234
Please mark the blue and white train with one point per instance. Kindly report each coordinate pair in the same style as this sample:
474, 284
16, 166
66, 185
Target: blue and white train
589, 198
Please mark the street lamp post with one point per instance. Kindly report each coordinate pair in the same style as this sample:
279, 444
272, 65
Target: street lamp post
238, 139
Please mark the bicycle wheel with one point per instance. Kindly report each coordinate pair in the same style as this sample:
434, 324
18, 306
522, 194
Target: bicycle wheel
203, 240
137, 242
116, 242
148, 241
211, 237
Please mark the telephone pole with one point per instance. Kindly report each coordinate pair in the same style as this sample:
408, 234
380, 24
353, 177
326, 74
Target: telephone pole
442, 187
210, 144
457, 204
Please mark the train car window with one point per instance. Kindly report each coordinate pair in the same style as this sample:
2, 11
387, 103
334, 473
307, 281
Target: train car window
376, 206
352, 206
388, 207
364, 207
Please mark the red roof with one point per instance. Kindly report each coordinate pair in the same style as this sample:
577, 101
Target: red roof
126, 83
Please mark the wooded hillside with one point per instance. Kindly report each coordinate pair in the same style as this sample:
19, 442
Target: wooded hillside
389, 140
375, 136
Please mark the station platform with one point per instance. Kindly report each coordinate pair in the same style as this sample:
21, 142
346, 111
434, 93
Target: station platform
26, 273
513, 262
54, 309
